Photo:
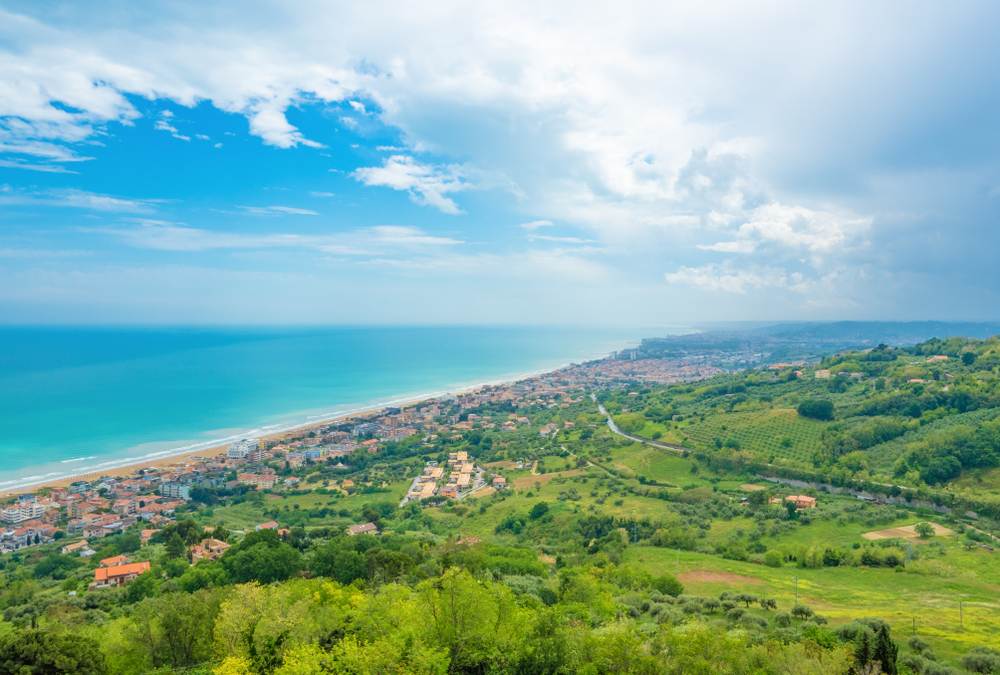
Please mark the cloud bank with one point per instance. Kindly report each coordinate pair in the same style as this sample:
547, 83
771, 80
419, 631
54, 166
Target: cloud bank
777, 153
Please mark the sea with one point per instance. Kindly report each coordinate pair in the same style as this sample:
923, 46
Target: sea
79, 400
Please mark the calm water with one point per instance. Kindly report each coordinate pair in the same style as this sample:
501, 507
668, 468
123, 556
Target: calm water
74, 401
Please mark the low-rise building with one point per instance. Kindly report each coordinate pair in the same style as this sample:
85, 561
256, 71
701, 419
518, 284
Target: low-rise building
118, 575
802, 501
116, 560
209, 549
75, 547
367, 528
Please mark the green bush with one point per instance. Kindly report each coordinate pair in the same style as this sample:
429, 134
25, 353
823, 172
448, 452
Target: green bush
817, 409
773, 558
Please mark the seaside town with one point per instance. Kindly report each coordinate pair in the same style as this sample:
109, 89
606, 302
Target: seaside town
149, 498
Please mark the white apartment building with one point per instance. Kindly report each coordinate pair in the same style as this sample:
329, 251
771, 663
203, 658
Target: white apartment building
22, 512
241, 448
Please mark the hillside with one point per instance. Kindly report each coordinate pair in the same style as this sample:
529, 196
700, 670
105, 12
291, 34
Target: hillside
604, 555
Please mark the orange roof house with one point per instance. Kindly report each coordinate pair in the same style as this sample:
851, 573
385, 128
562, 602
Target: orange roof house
118, 575
117, 560
209, 549
802, 501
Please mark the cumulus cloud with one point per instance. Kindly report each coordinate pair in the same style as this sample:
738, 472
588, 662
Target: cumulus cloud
796, 230
427, 184
684, 135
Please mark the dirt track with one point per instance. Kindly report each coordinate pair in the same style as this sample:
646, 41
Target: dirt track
906, 532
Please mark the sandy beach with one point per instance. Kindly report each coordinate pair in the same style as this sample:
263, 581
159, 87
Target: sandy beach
128, 470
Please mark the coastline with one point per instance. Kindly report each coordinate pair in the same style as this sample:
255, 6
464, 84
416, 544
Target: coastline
187, 455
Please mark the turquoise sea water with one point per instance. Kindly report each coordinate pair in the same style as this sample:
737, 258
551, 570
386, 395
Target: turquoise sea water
74, 401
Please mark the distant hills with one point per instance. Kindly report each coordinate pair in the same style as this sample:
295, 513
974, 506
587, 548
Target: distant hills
735, 345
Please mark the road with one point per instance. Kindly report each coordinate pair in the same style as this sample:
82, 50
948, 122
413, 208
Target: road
639, 439
413, 486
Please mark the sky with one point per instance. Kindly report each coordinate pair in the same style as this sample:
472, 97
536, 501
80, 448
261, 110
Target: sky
633, 163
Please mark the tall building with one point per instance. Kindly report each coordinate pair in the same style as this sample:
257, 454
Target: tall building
175, 491
241, 448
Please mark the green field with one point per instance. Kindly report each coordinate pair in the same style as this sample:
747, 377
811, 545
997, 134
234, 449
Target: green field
780, 432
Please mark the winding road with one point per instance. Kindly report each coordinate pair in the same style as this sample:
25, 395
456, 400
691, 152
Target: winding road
639, 439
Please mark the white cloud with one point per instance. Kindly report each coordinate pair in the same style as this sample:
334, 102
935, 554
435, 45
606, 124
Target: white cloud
163, 125
409, 235
535, 224
688, 129
801, 228
426, 183
168, 236
38, 253
729, 247
277, 211
568, 240
48, 168
76, 199
717, 278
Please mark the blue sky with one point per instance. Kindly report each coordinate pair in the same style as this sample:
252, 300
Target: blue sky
302, 162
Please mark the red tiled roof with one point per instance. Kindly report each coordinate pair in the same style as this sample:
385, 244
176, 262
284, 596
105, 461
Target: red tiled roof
117, 560
103, 573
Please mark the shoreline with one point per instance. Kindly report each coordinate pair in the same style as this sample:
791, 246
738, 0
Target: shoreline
130, 468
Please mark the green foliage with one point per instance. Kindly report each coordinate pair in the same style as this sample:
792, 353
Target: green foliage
630, 423
981, 659
263, 557
37, 652
538, 510
817, 409
668, 585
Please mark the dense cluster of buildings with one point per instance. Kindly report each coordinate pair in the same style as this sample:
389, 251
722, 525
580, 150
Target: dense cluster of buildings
95, 509
151, 495
617, 372
457, 478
